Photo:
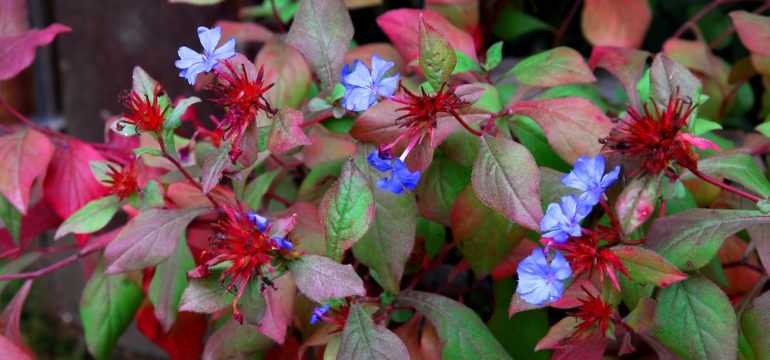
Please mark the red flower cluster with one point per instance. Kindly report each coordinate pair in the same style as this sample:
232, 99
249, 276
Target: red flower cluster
241, 90
594, 315
586, 256
122, 182
656, 137
144, 113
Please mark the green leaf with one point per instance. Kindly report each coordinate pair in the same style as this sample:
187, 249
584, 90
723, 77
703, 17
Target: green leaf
690, 239
695, 319
531, 135
494, 56
557, 66
519, 334
322, 31
145, 85
257, 188
637, 202
647, 267
363, 339
338, 93
464, 63
346, 210
213, 166
174, 119
437, 57
485, 237
737, 167
138, 152
754, 326
506, 178
107, 307
148, 239
513, 23
205, 295
236, 341
438, 188
320, 278
319, 179
701, 126
433, 235
11, 218
91, 217
169, 282
462, 333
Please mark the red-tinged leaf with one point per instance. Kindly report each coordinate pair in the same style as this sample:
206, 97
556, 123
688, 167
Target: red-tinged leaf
572, 125
168, 284
235, 341
321, 278
591, 348
437, 57
569, 299
510, 262
40, 219
10, 320
409, 333
558, 66
363, 339
286, 133
288, 350
284, 67
462, 333
205, 295
279, 308
646, 266
641, 317
245, 32
636, 202
11, 351
760, 236
187, 196
18, 51
439, 187
616, 22
69, 183
627, 65
326, 146
322, 31
506, 178
402, 27
558, 333
215, 163
148, 239
484, 236
90, 218
25, 155
308, 229
753, 30
754, 326
384, 50
741, 279
183, 341
668, 76
696, 55
13, 17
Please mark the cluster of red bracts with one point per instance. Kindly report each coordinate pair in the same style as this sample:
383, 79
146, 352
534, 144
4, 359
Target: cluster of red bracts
122, 182
144, 113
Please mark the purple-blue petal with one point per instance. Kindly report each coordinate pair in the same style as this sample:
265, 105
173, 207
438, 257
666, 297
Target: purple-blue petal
379, 163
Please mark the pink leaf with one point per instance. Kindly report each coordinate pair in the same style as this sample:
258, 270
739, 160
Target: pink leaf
572, 125
286, 133
699, 142
13, 17
402, 26
279, 308
10, 351
321, 278
11, 318
616, 22
326, 146
625, 64
69, 183
244, 32
25, 156
288, 71
18, 51
753, 30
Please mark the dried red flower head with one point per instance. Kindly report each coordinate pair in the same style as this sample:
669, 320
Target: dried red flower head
122, 182
145, 113
594, 315
586, 256
656, 137
241, 90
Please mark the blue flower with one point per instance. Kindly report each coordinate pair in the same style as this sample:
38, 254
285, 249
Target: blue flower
400, 176
362, 86
562, 220
261, 222
193, 63
539, 281
282, 243
588, 175
318, 313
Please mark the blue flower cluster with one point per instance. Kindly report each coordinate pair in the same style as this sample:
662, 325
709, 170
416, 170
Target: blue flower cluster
192, 63
539, 280
263, 224
363, 86
400, 176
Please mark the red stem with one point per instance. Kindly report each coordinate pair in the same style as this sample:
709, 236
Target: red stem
433, 264
565, 23
185, 173
693, 21
59, 264
464, 124
278, 21
27, 121
316, 119
613, 220
724, 186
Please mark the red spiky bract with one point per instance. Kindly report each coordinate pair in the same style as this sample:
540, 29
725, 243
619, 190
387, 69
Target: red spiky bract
594, 315
122, 182
145, 113
654, 136
243, 97
586, 256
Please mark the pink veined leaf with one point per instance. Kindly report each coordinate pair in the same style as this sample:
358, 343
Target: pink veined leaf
753, 30
18, 51
69, 183
287, 70
286, 133
245, 32
13, 17
11, 318
25, 156
616, 22
402, 27
625, 64
12, 352
279, 309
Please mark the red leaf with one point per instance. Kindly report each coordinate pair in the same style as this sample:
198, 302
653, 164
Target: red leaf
616, 22
288, 71
25, 155
40, 219
10, 351
753, 30
326, 146
286, 133
625, 64
11, 317
402, 27
13, 17
591, 348
279, 309
245, 32
183, 341
69, 182
18, 51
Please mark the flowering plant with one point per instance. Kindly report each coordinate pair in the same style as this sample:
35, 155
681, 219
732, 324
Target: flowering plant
421, 199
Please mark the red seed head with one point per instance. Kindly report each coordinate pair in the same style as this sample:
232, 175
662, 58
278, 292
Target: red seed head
144, 112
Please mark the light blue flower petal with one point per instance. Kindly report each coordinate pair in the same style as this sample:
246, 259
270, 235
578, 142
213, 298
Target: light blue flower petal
610, 177
387, 86
191, 73
187, 57
226, 51
359, 77
359, 99
560, 267
209, 39
379, 68
537, 296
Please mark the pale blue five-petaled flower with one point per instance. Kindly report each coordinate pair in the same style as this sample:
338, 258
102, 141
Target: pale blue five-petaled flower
541, 281
588, 175
363, 86
193, 63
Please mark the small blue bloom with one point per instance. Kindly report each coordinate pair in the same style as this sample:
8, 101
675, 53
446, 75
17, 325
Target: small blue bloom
282, 243
588, 175
193, 63
261, 222
400, 175
318, 313
539, 281
562, 220
362, 86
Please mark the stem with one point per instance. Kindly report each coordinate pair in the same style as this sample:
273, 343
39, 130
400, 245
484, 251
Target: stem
278, 21
730, 30
185, 173
59, 264
27, 121
662, 208
693, 21
724, 186
433, 264
316, 120
278, 198
464, 124
565, 23
613, 219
